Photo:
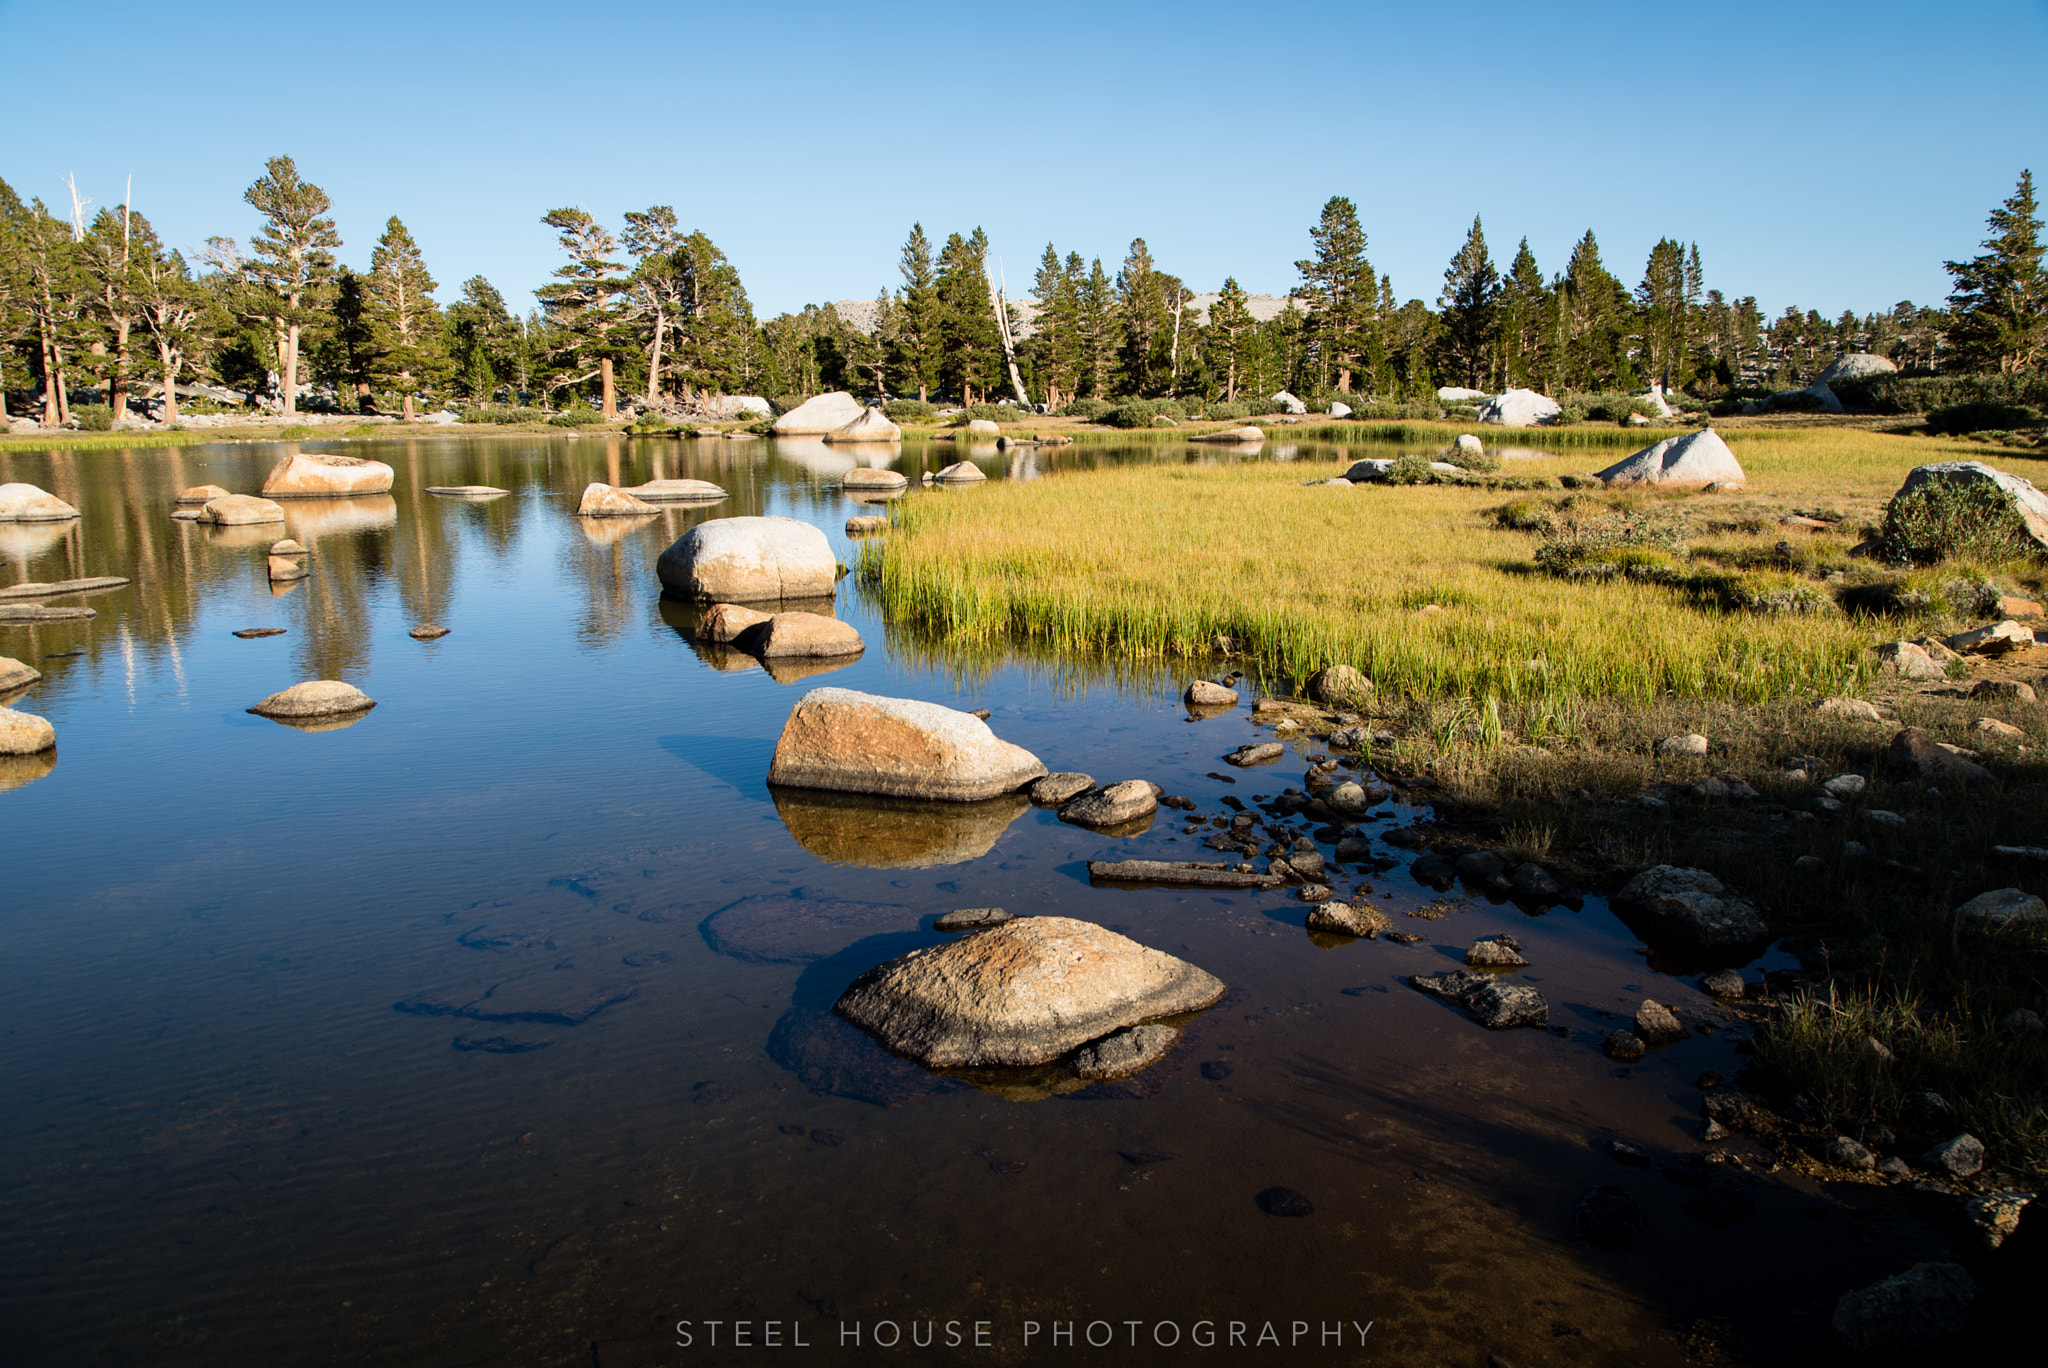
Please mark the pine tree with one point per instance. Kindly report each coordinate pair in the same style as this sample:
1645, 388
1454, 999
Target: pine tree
1097, 339
1144, 319
915, 361
171, 307
654, 288
1469, 305
483, 338
1593, 322
53, 286
1230, 318
405, 322
1665, 302
971, 355
108, 254
1524, 302
581, 303
1341, 290
355, 339
2001, 297
1055, 343
292, 262
716, 349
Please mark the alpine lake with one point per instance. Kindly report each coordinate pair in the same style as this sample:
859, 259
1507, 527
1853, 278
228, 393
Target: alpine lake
421, 1041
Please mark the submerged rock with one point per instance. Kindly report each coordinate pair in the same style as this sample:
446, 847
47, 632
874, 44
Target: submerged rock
1349, 919
313, 475
199, 494
832, 1056
852, 742
676, 491
466, 491
1055, 789
971, 919
1022, 993
428, 631
315, 698
1124, 1053
1494, 1003
727, 622
748, 560
26, 503
786, 929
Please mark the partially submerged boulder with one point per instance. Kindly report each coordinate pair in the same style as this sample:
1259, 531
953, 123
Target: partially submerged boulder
240, 510
820, 415
961, 472
14, 674
726, 622
1349, 919
862, 478
1056, 789
315, 698
1494, 1003
872, 426
1124, 1053
607, 501
318, 475
1520, 408
852, 742
1698, 458
803, 634
1246, 436
467, 491
285, 568
25, 733
1112, 805
1694, 909
26, 503
676, 491
1338, 684
199, 494
1207, 693
1022, 993
748, 560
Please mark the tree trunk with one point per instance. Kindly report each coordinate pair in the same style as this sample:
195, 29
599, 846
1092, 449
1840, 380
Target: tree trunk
654, 364
168, 360
1009, 348
611, 399
405, 402
51, 383
290, 360
1343, 381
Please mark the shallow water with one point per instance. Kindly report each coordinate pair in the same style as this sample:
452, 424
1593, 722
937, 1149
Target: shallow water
243, 1124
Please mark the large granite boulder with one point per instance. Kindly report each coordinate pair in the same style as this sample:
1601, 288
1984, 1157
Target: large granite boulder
240, 510
2015, 493
872, 426
676, 491
318, 475
1855, 366
861, 479
26, 503
315, 698
199, 494
1239, 436
740, 405
1288, 403
818, 416
606, 501
1694, 909
1020, 994
1458, 394
14, 674
852, 742
25, 733
748, 560
1698, 458
1520, 408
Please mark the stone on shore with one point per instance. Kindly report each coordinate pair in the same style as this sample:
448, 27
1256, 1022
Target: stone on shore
15, 674
1520, 408
199, 494
872, 426
1349, 919
1124, 1053
607, 501
748, 560
240, 510
1916, 754
1698, 458
2003, 907
1994, 640
961, 472
315, 698
851, 742
317, 475
1206, 693
676, 491
1657, 1024
1908, 660
25, 733
1055, 789
1112, 805
1496, 952
1967, 477
1690, 744
1468, 445
1693, 908
866, 525
803, 634
1926, 1306
1492, 1002
26, 503
1338, 684
818, 416
1020, 994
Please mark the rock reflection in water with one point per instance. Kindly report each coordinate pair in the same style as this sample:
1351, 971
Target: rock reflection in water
612, 531
321, 724
684, 618
309, 519
831, 1055
22, 542
18, 770
813, 455
894, 833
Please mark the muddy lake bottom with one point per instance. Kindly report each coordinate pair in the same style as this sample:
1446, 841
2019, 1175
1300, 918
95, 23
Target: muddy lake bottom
407, 1042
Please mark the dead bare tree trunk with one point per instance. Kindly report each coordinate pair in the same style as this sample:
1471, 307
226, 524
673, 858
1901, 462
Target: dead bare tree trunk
1010, 348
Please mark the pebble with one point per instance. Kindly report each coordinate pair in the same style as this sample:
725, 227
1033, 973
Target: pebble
251, 633
427, 631
1959, 1156
1843, 1152
1623, 1047
971, 919
1628, 1153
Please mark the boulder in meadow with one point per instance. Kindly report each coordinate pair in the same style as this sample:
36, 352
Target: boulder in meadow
1698, 458
1520, 408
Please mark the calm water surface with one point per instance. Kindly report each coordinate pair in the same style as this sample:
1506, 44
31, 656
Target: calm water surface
245, 1121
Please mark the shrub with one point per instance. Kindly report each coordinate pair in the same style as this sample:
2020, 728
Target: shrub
1410, 469
1221, 411
1582, 532
1567, 414
1905, 395
362, 430
994, 413
576, 415
1138, 413
909, 411
1090, 409
1952, 520
1977, 415
298, 432
783, 403
94, 417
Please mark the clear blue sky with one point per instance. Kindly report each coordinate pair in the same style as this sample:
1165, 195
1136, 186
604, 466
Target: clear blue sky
1825, 154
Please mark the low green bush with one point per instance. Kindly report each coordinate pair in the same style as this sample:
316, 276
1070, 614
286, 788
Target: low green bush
362, 430
783, 403
909, 411
496, 414
94, 417
1950, 520
298, 432
1980, 415
1568, 414
1089, 409
1906, 395
1221, 411
994, 413
576, 415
